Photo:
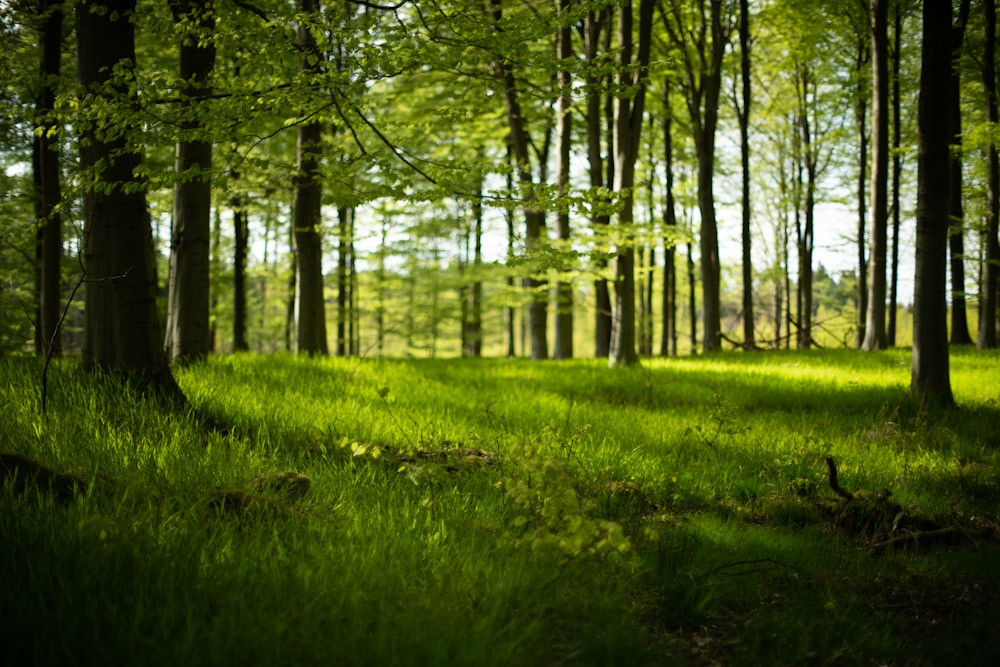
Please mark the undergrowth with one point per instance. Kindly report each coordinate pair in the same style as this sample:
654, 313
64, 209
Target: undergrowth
497, 512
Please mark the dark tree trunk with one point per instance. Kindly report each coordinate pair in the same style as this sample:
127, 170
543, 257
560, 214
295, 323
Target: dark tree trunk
121, 328
563, 347
875, 334
474, 332
897, 171
987, 338
668, 344
743, 112
310, 311
628, 127
595, 23
703, 47
47, 180
188, 318
956, 238
534, 218
930, 381
241, 243
861, 126
343, 284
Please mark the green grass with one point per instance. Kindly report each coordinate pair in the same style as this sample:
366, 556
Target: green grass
676, 513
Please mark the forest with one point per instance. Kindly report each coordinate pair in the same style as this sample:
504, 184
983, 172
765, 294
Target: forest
490, 332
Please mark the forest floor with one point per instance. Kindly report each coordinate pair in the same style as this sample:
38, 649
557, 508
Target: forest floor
738, 509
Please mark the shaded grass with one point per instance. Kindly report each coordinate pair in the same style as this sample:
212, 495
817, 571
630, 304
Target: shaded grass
713, 467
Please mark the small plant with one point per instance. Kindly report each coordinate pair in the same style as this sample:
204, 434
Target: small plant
552, 514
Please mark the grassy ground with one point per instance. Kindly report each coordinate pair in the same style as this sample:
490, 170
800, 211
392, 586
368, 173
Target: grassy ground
500, 512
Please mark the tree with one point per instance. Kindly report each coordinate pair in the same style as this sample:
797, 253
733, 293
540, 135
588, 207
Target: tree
987, 337
563, 347
743, 115
703, 45
875, 332
48, 195
630, 98
187, 336
930, 379
956, 239
122, 329
534, 215
310, 311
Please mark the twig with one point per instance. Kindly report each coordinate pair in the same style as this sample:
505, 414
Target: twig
55, 332
834, 484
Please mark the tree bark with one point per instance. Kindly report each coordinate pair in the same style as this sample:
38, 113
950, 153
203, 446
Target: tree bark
240, 245
956, 238
593, 28
897, 171
534, 218
743, 113
310, 311
47, 179
628, 128
188, 319
930, 379
121, 327
668, 343
987, 337
563, 347
703, 71
875, 334
863, 56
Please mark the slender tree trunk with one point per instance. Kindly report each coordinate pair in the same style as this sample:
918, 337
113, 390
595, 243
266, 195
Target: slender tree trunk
563, 348
595, 22
121, 330
668, 344
343, 285
743, 113
930, 380
475, 329
703, 71
956, 238
875, 334
188, 316
628, 128
310, 311
240, 246
47, 179
534, 218
897, 171
987, 337
805, 214
861, 125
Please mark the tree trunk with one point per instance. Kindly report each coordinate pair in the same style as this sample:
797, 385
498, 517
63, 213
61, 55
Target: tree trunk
987, 337
805, 214
121, 327
861, 130
930, 379
563, 348
897, 171
668, 344
343, 284
475, 328
310, 312
744, 122
188, 318
596, 167
534, 218
875, 334
628, 128
956, 238
240, 246
47, 179
703, 72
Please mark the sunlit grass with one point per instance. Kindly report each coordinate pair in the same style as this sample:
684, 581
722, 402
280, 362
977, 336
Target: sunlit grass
713, 468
